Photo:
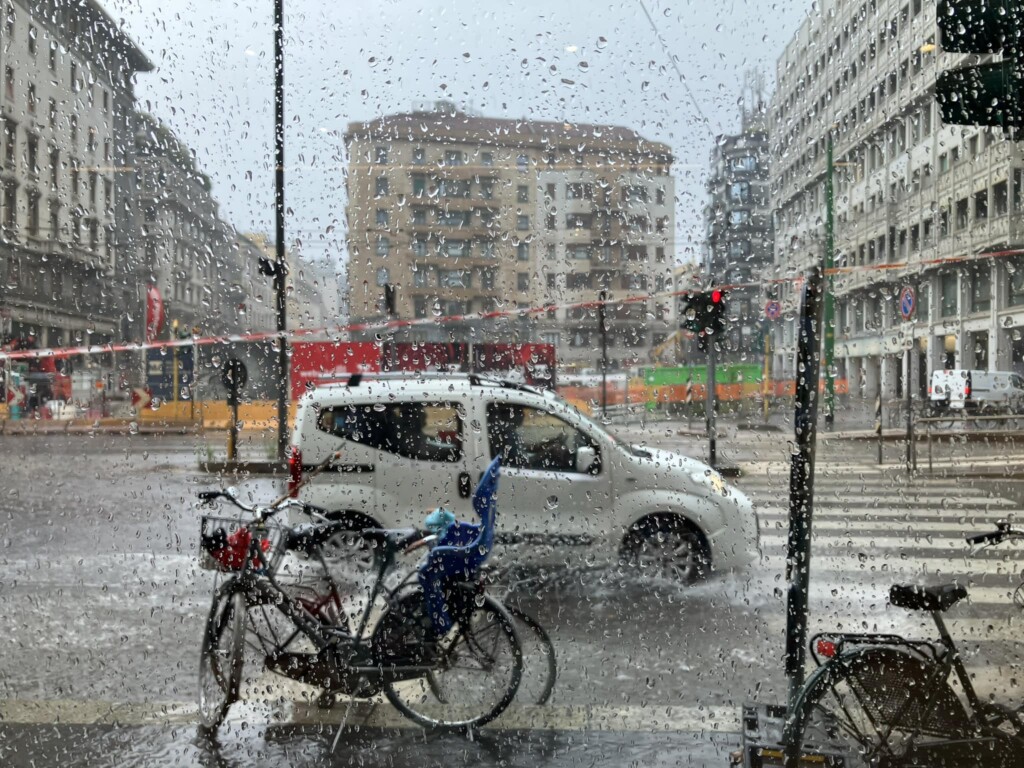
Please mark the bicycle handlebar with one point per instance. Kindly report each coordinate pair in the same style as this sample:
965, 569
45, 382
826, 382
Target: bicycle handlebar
1003, 531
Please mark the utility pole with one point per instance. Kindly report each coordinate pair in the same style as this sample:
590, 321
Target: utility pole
602, 322
829, 304
279, 267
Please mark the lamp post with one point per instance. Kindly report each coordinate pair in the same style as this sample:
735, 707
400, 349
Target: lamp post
829, 302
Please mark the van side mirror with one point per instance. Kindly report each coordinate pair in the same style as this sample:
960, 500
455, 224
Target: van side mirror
586, 458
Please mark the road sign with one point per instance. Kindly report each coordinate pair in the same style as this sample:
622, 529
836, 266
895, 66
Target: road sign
141, 397
908, 302
234, 374
773, 310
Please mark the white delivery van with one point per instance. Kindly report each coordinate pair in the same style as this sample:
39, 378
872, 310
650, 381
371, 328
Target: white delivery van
569, 492
961, 389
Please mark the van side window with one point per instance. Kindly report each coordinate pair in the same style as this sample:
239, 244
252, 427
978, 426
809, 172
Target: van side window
531, 438
358, 423
424, 431
421, 431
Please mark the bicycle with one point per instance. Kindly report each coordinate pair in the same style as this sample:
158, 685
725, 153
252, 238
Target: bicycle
885, 701
402, 656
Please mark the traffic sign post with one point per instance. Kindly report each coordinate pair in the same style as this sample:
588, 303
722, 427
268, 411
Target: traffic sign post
908, 306
234, 376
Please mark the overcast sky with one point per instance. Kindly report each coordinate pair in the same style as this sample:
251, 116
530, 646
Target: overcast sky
349, 60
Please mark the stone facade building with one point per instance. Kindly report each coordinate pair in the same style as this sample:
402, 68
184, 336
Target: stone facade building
65, 170
468, 214
918, 204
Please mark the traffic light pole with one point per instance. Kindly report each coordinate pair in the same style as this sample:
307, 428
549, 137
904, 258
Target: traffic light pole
602, 322
710, 405
279, 267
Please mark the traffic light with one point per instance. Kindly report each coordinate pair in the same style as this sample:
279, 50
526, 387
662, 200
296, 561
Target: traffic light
390, 300
984, 94
704, 315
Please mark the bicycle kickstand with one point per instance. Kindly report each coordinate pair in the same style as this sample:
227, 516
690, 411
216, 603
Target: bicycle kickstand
344, 720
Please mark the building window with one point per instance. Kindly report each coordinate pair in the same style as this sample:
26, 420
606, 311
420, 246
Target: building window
579, 191
73, 131
962, 212
108, 196
1000, 199
523, 251
523, 281
383, 246
54, 233
522, 194
53, 57
577, 281
10, 207
419, 156
739, 191
54, 168
453, 157
10, 142
381, 186
380, 155
420, 276
522, 223
53, 114
659, 254
487, 159
981, 205
31, 99
549, 251
419, 217
90, 141
33, 213
521, 162
659, 196
457, 249
453, 278
32, 156
9, 82
106, 101
382, 217
487, 188
1015, 282
75, 85
948, 295
981, 289
738, 217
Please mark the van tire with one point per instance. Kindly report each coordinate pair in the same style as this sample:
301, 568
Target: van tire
668, 546
350, 545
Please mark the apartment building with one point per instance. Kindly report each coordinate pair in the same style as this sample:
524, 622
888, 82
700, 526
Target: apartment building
738, 227
66, 74
917, 204
468, 214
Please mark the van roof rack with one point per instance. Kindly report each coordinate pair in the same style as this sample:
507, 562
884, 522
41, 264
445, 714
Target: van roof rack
475, 379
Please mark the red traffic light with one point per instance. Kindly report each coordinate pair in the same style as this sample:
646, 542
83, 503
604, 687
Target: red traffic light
716, 296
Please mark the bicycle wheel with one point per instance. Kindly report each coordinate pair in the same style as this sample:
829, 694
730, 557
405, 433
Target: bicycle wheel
474, 675
879, 707
220, 660
540, 668
1018, 596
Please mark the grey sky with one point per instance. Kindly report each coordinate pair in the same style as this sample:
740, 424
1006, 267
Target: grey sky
357, 59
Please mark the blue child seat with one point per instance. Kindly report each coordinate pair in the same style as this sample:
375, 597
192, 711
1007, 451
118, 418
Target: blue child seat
461, 550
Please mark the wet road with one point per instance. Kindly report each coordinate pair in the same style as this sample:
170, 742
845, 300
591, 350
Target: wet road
105, 606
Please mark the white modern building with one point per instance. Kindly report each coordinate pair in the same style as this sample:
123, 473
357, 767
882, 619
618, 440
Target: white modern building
920, 205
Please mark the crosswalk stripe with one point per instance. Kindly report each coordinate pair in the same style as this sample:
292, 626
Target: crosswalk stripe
899, 565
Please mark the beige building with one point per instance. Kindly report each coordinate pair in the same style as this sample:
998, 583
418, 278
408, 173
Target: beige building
918, 203
466, 214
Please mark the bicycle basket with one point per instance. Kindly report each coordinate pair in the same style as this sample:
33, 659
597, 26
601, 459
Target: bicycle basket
902, 691
224, 543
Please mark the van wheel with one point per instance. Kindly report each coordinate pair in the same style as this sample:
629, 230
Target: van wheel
349, 545
666, 547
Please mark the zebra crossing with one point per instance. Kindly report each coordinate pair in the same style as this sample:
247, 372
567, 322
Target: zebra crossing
874, 528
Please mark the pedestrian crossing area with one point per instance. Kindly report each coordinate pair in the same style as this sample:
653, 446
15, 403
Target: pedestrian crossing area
873, 528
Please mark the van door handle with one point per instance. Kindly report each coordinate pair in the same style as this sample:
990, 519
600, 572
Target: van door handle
464, 485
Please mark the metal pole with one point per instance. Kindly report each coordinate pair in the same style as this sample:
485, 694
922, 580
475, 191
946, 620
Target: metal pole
878, 422
280, 268
830, 325
910, 414
710, 404
801, 482
767, 376
602, 322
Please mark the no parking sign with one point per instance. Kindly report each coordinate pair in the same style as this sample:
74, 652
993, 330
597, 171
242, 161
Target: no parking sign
908, 302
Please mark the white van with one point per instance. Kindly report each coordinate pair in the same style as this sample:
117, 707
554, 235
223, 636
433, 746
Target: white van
569, 492
961, 389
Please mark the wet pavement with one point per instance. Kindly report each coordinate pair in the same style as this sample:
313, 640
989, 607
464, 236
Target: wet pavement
105, 605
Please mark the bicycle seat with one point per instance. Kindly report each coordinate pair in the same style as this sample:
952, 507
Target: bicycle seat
918, 598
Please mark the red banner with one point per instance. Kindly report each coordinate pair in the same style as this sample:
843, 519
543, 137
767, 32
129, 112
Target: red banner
322, 362
154, 313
